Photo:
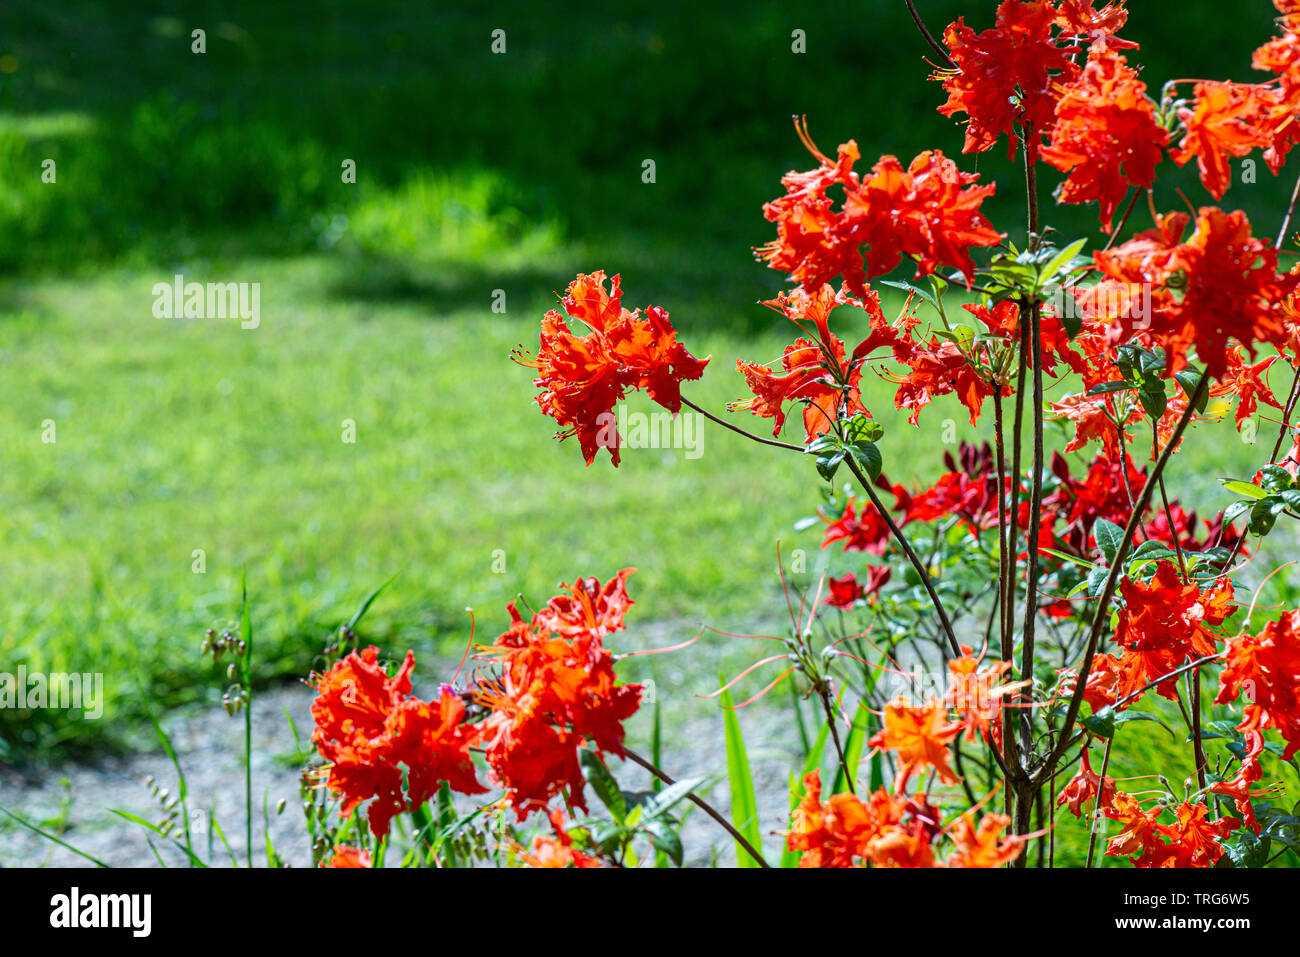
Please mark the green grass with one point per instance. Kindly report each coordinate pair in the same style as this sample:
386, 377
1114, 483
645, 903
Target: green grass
475, 173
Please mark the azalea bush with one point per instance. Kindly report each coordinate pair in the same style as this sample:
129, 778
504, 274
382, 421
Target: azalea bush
1057, 601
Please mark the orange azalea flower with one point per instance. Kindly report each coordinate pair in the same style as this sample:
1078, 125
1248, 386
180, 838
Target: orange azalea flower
930, 210
1106, 135
831, 835
920, 736
1003, 78
815, 369
980, 846
1083, 787
1228, 289
1251, 772
1164, 624
847, 831
1194, 841
941, 370
345, 856
382, 743
583, 377
1140, 837
1265, 668
556, 689
557, 851
1226, 122
1092, 416
976, 694
1245, 381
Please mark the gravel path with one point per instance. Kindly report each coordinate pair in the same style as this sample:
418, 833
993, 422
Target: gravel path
73, 800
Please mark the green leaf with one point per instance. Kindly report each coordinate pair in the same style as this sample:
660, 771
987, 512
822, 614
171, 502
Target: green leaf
1190, 380
1154, 403
1117, 385
1249, 850
603, 783
1109, 536
868, 456
1100, 723
665, 840
1067, 254
744, 803
828, 465
1248, 489
862, 429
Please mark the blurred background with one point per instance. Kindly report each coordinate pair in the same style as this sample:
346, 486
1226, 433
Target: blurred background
475, 172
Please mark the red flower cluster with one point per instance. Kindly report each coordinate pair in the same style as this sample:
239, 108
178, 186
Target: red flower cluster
890, 830
1265, 670
1230, 119
1165, 623
1192, 841
928, 211
555, 691
1007, 79
383, 743
584, 376
1219, 285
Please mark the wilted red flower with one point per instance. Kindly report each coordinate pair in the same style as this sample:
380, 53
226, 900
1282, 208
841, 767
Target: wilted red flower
1106, 135
584, 376
382, 743
1084, 787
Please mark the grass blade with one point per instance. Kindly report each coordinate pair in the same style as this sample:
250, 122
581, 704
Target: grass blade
744, 803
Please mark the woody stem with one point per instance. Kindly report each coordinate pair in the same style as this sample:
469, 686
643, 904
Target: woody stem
702, 804
909, 552
825, 695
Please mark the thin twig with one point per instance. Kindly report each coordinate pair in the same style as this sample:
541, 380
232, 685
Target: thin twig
702, 804
737, 429
929, 37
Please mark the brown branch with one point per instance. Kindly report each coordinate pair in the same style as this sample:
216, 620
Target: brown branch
929, 37
703, 805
